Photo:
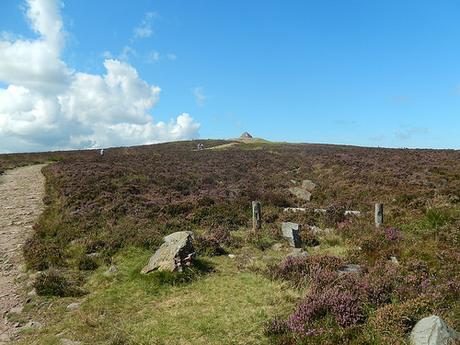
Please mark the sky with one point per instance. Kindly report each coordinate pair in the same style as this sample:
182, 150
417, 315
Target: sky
90, 74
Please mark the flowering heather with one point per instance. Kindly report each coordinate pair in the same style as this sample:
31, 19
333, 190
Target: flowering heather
300, 270
393, 234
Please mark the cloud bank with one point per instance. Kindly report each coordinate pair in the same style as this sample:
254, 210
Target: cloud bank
46, 105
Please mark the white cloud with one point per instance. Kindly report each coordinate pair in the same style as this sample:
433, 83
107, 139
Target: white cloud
407, 134
46, 105
154, 56
144, 29
171, 56
200, 97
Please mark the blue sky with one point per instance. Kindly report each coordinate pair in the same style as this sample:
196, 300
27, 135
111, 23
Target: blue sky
373, 73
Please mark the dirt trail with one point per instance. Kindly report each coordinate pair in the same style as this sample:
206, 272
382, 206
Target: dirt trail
21, 193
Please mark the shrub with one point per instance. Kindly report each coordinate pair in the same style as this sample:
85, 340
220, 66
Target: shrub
302, 269
40, 254
87, 263
53, 283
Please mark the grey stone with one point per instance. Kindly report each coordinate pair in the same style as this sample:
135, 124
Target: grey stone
33, 324
308, 185
294, 209
112, 270
301, 193
350, 268
231, 256
298, 252
394, 260
291, 231
176, 252
277, 246
73, 306
432, 330
352, 213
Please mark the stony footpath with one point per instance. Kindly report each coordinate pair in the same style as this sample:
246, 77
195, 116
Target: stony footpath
21, 193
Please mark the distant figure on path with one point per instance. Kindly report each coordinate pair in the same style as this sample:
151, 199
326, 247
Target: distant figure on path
200, 146
102, 152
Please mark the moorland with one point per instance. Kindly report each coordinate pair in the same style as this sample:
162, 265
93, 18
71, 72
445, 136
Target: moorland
112, 211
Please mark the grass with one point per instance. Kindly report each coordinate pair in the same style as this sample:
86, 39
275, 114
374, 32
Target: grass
224, 306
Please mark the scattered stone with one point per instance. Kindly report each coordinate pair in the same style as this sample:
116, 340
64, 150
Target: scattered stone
294, 209
320, 210
350, 268
32, 293
291, 231
277, 246
231, 256
352, 213
304, 191
174, 254
432, 330
318, 231
394, 260
33, 325
297, 252
93, 255
308, 185
73, 306
112, 270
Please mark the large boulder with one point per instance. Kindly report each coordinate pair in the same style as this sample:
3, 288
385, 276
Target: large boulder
432, 330
174, 254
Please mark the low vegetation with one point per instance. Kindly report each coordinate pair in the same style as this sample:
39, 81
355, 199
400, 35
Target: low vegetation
115, 209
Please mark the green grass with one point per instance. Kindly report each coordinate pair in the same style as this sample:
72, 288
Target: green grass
213, 304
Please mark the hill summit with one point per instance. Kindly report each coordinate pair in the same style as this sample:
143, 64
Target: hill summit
245, 135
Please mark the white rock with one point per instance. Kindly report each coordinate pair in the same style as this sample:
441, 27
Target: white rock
432, 330
231, 256
73, 306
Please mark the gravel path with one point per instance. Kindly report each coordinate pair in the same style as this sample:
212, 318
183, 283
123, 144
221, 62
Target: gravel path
21, 193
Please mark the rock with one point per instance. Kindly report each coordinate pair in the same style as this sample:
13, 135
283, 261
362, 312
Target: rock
350, 268
291, 231
277, 246
245, 135
318, 231
320, 210
111, 271
301, 193
32, 293
231, 256
353, 213
394, 260
174, 254
33, 324
296, 252
308, 185
304, 191
294, 209
432, 330
73, 306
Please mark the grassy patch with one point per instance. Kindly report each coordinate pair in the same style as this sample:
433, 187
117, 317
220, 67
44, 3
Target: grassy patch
224, 306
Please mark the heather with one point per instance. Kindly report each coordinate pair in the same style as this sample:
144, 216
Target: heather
116, 208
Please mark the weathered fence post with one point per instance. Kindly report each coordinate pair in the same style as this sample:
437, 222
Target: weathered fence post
256, 215
378, 214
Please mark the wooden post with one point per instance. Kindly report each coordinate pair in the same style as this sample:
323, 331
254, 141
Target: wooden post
378, 214
256, 215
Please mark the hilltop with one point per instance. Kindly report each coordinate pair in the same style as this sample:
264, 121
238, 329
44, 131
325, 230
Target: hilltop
112, 211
